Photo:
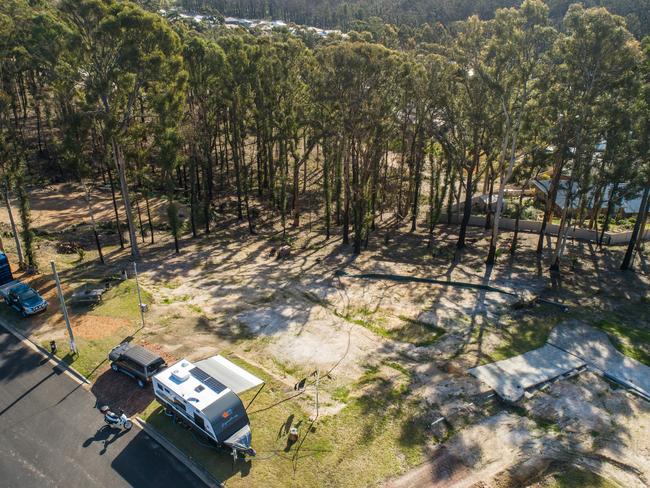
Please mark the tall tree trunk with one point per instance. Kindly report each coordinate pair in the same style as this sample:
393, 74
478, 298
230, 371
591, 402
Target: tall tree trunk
117, 213
327, 154
146, 202
121, 172
467, 210
91, 214
137, 206
564, 225
193, 196
608, 214
14, 230
25, 220
346, 203
295, 204
338, 177
643, 209
551, 195
417, 177
236, 141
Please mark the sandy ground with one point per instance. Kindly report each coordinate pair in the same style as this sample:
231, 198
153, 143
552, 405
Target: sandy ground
53, 213
593, 426
228, 294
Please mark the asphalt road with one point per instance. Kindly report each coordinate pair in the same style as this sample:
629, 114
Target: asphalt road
51, 434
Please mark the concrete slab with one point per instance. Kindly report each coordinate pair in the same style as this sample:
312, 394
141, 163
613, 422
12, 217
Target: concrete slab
595, 348
510, 377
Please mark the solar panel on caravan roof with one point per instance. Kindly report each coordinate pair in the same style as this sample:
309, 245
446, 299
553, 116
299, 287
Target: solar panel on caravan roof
208, 380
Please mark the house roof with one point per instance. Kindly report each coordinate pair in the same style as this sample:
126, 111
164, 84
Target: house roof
629, 205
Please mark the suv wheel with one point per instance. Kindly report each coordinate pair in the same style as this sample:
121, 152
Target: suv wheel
141, 384
23, 313
115, 368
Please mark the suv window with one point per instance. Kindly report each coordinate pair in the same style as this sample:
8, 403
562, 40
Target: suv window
131, 365
154, 367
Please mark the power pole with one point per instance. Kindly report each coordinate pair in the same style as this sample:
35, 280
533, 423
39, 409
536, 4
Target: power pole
73, 346
137, 285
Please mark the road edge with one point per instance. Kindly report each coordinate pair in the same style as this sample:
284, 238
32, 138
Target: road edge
192, 465
27, 340
198, 470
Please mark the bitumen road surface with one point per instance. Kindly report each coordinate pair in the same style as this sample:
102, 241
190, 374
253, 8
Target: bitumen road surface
51, 434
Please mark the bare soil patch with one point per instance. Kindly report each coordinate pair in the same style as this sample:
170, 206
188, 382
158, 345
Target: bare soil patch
93, 327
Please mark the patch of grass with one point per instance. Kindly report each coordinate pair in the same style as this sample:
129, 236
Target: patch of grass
341, 394
174, 299
628, 338
417, 332
171, 285
523, 333
413, 331
289, 369
195, 308
360, 446
573, 477
92, 353
365, 317
121, 301
546, 425
398, 367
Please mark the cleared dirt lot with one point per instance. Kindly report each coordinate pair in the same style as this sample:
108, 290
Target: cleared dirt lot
406, 345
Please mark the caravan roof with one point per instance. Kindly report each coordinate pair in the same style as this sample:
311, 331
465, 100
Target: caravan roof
208, 380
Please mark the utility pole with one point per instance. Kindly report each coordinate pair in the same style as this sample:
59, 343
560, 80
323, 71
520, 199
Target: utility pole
137, 285
73, 346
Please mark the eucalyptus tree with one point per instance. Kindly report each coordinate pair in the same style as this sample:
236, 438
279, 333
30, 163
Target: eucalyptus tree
357, 89
126, 56
612, 176
642, 149
410, 117
31, 43
594, 56
464, 108
519, 41
206, 64
237, 86
283, 118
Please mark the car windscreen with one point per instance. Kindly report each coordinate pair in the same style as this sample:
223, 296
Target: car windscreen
27, 294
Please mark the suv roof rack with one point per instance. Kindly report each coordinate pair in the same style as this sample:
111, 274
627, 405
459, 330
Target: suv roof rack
140, 355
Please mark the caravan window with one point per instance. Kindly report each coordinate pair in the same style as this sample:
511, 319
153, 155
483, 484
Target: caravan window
198, 420
179, 404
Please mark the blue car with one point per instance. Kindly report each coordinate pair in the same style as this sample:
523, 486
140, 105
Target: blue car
25, 300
